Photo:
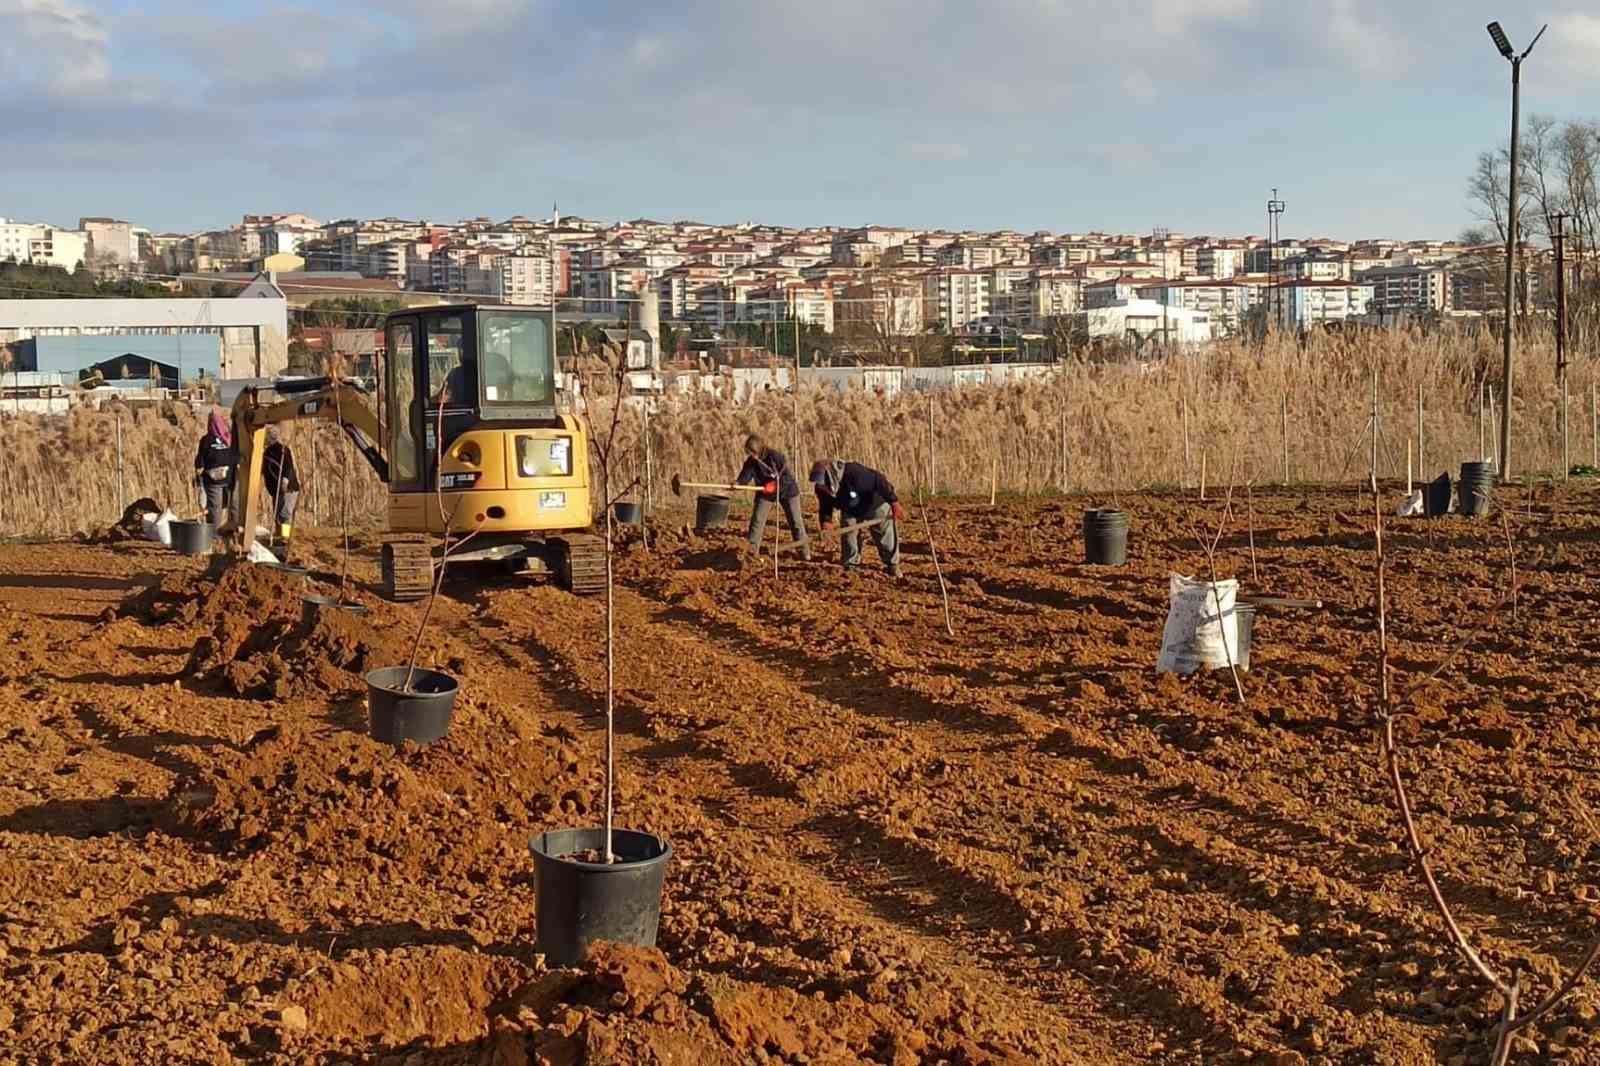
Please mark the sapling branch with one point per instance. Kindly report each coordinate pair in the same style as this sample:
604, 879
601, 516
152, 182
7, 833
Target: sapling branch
933, 550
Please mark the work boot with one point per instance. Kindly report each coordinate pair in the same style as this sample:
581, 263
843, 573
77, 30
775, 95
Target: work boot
894, 572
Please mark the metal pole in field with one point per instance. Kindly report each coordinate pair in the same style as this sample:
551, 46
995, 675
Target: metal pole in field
1283, 429
933, 472
1483, 447
1422, 465
1183, 482
1374, 468
1559, 239
1504, 45
122, 499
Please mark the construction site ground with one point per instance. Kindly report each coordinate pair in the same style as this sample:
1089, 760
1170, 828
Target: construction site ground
1014, 844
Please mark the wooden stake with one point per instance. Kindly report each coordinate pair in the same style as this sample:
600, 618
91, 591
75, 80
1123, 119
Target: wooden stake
1063, 450
1494, 443
1374, 467
1284, 431
1483, 449
1183, 480
1594, 425
933, 470
1408, 466
1202, 475
122, 500
994, 480
1566, 439
1422, 464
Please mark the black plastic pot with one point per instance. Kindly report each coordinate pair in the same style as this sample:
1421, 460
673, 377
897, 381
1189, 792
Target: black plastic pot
1244, 620
580, 902
710, 512
422, 714
1472, 491
192, 538
1436, 496
1105, 537
628, 512
313, 606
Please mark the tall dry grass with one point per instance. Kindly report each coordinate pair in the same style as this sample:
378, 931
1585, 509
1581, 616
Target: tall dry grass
1121, 427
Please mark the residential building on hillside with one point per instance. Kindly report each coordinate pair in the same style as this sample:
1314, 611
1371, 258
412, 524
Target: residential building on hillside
525, 279
1221, 260
891, 303
1054, 294
1303, 304
1224, 301
1409, 290
16, 239
64, 248
111, 240
959, 299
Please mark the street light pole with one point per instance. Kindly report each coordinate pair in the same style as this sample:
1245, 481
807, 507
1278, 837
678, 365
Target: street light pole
1504, 45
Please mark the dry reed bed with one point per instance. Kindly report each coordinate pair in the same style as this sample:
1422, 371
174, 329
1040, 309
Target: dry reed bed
1087, 428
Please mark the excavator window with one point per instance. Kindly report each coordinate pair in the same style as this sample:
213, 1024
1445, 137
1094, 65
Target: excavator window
517, 365
452, 370
402, 345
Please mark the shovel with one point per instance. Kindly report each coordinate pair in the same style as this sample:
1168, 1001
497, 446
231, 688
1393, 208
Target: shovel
678, 485
858, 527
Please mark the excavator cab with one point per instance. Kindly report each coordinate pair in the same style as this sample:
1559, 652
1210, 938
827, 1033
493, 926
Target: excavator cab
471, 439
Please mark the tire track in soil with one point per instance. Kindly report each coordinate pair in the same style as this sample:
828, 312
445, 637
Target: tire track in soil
755, 795
1259, 909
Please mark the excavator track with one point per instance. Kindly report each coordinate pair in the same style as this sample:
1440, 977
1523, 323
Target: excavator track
407, 567
581, 564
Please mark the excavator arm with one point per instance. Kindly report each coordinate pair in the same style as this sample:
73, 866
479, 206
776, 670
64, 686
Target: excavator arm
325, 399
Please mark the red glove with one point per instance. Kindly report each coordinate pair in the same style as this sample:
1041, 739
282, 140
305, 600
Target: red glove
897, 511
829, 526
770, 490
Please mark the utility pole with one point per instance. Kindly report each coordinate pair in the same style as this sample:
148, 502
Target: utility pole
1559, 239
1504, 45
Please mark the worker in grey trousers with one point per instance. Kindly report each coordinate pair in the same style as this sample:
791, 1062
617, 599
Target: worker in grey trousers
851, 493
768, 468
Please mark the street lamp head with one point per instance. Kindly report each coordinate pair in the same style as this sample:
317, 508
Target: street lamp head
1501, 41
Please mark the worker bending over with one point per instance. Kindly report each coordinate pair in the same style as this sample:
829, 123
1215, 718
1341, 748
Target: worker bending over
768, 468
856, 494
282, 480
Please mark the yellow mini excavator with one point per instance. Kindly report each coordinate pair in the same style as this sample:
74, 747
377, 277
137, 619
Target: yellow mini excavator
511, 469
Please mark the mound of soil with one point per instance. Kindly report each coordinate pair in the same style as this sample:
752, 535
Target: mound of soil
628, 1004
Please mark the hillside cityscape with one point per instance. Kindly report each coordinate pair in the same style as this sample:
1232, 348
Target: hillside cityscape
869, 282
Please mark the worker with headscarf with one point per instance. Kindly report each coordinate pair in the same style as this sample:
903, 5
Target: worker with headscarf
214, 466
282, 480
768, 468
851, 493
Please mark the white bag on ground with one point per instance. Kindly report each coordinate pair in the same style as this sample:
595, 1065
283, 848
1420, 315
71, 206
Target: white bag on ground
260, 553
1411, 505
1202, 628
158, 527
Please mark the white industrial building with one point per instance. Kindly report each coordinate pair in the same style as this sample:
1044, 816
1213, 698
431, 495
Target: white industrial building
1139, 321
254, 330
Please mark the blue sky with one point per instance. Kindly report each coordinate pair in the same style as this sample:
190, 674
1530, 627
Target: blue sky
1030, 114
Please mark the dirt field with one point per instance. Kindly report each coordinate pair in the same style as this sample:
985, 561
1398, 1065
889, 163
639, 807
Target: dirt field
1017, 845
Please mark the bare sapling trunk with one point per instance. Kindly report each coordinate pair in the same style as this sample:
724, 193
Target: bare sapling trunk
1510, 991
445, 518
933, 551
1209, 548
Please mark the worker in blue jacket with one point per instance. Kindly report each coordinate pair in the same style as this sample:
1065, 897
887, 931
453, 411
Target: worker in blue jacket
768, 468
850, 493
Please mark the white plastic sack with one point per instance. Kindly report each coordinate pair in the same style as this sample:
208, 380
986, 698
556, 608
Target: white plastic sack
1411, 505
158, 527
1202, 628
260, 553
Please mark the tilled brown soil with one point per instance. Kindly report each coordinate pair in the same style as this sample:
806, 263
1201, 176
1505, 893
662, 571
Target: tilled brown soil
1017, 844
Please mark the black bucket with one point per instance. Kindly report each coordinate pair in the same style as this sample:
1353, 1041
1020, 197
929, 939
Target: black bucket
192, 538
710, 512
581, 902
1105, 537
395, 716
313, 606
1472, 491
1436, 496
1244, 622
628, 512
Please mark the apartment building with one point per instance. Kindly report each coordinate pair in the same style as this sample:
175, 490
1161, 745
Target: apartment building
1305, 303
63, 248
525, 278
1409, 289
892, 303
1054, 294
1224, 302
695, 292
864, 247
16, 238
960, 299
112, 240
1221, 260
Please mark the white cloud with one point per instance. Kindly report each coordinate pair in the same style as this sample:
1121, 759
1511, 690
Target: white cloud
54, 41
1575, 41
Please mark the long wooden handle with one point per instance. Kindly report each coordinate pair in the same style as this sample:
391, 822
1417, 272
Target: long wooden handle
858, 527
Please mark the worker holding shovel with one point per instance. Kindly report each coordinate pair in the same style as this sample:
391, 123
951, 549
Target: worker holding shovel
864, 499
768, 468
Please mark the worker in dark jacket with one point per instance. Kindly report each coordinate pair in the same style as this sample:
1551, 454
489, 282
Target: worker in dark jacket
214, 465
282, 480
768, 468
849, 493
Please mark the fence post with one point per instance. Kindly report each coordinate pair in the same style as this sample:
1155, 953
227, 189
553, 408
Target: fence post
1283, 429
1422, 465
122, 499
933, 471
